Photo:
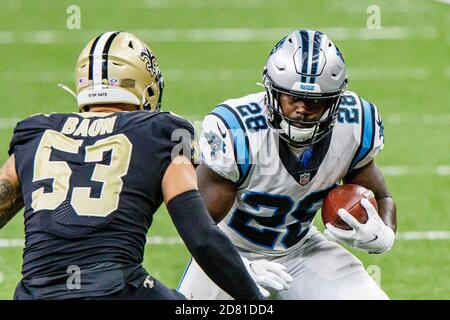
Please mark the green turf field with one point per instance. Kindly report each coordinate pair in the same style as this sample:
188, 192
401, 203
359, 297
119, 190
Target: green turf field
212, 50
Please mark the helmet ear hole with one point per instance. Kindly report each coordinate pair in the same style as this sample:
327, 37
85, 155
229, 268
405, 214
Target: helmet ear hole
130, 44
150, 92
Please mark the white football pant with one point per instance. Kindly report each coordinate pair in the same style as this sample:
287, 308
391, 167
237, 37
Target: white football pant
321, 270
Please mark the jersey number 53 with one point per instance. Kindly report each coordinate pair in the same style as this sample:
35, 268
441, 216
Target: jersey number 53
60, 173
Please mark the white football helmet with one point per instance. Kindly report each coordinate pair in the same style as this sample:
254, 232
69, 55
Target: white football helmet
305, 64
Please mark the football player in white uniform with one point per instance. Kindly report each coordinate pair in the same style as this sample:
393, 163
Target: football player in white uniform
270, 158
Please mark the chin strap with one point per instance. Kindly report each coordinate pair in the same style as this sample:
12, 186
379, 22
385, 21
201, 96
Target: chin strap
60, 85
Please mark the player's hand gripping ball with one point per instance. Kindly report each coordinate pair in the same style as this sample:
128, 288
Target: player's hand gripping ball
348, 197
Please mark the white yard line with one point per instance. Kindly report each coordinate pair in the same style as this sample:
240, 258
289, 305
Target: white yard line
228, 75
159, 240
155, 240
443, 1
9, 123
443, 170
415, 170
11, 243
389, 7
397, 170
401, 171
199, 4
338, 6
175, 240
417, 73
424, 235
220, 34
413, 119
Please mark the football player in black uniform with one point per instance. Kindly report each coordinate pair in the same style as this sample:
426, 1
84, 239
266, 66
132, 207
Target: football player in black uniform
90, 183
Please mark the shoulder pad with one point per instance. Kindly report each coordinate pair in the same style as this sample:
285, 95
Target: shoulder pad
362, 122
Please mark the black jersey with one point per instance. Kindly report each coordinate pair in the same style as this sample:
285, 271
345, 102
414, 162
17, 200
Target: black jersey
91, 183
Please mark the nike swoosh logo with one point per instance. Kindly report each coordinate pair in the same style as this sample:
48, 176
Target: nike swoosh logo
375, 237
223, 134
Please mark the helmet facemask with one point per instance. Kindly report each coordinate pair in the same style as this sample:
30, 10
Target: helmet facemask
299, 133
152, 96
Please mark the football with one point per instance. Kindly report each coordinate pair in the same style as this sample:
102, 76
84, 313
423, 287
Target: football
347, 196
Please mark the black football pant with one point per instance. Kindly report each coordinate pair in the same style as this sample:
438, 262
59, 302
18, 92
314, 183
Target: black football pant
149, 289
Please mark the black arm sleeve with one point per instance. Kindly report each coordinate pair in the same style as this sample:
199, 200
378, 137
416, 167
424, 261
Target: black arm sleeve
210, 247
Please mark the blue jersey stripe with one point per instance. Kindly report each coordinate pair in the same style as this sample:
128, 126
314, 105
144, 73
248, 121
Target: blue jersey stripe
184, 274
367, 132
240, 140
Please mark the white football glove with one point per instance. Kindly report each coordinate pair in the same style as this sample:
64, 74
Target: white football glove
268, 275
373, 236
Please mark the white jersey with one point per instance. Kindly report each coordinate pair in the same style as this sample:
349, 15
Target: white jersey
279, 190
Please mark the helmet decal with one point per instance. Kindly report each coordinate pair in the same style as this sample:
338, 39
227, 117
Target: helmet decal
98, 57
304, 57
316, 55
105, 55
91, 58
150, 62
339, 54
278, 45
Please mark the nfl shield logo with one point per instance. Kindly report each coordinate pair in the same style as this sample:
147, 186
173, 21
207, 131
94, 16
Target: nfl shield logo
304, 178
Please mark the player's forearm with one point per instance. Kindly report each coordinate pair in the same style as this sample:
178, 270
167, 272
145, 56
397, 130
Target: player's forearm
221, 262
388, 212
212, 250
371, 177
10, 200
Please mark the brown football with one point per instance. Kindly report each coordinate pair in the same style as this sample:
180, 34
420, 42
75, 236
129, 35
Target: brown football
347, 196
